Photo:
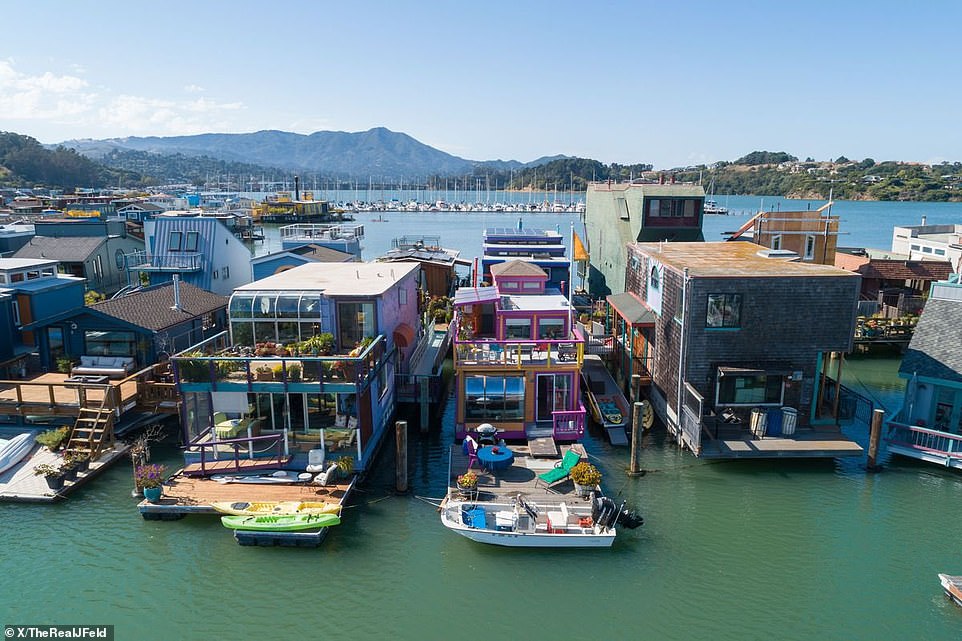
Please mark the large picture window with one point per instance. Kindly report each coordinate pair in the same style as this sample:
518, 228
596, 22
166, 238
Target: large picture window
551, 328
110, 343
758, 389
517, 328
724, 310
493, 398
554, 391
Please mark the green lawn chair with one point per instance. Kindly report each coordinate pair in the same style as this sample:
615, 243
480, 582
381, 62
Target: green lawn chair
561, 471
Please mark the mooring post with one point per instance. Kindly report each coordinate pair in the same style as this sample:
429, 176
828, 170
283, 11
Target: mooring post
425, 406
401, 455
874, 438
636, 429
635, 386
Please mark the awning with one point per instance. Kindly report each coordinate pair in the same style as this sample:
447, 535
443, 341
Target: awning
630, 308
403, 335
762, 369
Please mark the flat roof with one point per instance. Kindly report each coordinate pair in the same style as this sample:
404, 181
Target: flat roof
719, 259
335, 279
7, 264
538, 302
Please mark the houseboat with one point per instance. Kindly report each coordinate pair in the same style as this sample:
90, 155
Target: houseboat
517, 357
305, 373
542, 248
928, 426
341, 237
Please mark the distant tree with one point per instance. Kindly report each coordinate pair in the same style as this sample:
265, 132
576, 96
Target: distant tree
842, 159
765, 158
868, 163
809, 159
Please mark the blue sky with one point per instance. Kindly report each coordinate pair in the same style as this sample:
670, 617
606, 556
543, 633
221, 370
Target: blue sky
670, 83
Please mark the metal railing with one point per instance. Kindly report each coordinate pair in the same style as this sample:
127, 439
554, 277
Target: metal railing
301, 231
925, 439
568, 424
181, 261
235, 444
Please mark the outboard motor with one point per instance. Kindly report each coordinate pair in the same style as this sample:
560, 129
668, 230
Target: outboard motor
629, 518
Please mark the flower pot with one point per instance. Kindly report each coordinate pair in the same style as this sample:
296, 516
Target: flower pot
70, 474
153, 494
584, 491
54, 482
83, 466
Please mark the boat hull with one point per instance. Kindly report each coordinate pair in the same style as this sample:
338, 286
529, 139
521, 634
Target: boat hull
243, 508
14, 450
952, 586
534, 537
280, 523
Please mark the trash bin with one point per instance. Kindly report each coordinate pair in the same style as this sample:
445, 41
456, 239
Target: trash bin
789, 420
774, 422
758, 421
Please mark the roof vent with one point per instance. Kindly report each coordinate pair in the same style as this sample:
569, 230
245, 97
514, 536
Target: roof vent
779, 254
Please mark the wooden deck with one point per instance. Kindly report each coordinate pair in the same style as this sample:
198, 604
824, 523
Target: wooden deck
20, 484
49, 395
805, 443
230, 465
520, 478
191, 495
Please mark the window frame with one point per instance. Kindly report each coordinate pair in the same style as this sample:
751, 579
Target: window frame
730, 301
171, 245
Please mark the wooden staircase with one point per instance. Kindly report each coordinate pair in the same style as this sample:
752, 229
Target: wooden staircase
93, 432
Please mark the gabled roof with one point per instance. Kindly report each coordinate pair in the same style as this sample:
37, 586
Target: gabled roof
906, 270
151, 308
68, 249
517, 268
936, 347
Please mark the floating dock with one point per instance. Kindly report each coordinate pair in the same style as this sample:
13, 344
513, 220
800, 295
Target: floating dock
20, 484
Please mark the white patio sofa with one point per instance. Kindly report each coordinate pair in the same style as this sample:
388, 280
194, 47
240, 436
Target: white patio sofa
111, 366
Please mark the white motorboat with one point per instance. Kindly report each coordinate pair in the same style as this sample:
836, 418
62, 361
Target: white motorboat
520, 523
13, 450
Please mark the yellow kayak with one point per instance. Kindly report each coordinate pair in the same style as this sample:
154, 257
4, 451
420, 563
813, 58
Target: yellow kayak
241, 508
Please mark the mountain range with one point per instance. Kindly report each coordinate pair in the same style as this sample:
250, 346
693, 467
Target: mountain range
377, 151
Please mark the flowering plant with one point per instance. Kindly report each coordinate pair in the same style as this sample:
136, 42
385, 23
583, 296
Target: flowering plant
47, 470
150, 475
468, 480
585, 474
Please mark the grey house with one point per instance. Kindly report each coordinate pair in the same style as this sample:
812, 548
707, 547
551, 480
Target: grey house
737, 346
88, 248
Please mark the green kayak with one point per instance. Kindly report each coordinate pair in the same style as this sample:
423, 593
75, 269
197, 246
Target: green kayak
280, 522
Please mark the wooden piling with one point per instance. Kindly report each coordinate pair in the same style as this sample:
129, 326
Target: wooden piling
635, 386
875, 436
425, 405
401, 456
636, 430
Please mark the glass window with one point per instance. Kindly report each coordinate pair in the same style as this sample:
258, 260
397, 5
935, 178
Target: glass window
3, 278
940, 252
517, 328
749, 390
173, 241
724, 310
33, 275
287, 306
16, 277
242, 333
777, 242
264, 306
48, 271
689, 208
191, 244
551, 328
508, 285
494, 398
655, 282
310, 306
809, 247
926, 250
287, 332
110, 343
553, 394
264, 332
354, 322
654, 208
531, 284
240, 306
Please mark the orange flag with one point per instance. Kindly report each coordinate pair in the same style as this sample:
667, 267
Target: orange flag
580, 253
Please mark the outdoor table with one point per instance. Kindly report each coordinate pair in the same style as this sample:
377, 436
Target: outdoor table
502, 459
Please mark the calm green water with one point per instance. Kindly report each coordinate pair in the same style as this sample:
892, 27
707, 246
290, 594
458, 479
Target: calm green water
732, 550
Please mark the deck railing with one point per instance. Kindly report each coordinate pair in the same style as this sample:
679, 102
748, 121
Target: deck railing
568, 425
925, 439
517, 352
408, 387
179, 261
235, 444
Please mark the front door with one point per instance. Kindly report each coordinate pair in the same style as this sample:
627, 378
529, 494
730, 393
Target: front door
554, 392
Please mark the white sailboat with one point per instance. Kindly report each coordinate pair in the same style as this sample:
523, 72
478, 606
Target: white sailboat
13, 450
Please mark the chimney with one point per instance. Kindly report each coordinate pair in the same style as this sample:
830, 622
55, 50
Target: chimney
176, 292
297, 187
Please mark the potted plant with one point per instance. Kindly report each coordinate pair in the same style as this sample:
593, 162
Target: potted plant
64, 365
150, 478
52, 474
586, 478
468, 482
345, 465
79, 460
264, 373
53, 439
294, 372
70, 468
